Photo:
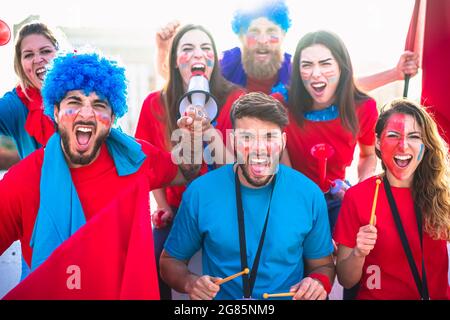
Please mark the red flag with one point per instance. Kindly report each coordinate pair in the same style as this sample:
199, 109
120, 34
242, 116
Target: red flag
414, 39
110, 257
436, 63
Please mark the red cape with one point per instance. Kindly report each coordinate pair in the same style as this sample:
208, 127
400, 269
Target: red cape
110, 257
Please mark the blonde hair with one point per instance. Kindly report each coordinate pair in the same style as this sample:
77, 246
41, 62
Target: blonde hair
431, 183
29, 29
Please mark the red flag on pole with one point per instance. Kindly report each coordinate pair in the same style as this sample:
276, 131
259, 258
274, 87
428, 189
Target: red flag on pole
436, 63
414, 39
110, 257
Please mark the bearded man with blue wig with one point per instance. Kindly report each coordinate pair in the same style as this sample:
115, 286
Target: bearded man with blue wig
86, 165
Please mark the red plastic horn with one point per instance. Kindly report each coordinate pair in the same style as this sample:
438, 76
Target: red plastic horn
322, 152
5, 33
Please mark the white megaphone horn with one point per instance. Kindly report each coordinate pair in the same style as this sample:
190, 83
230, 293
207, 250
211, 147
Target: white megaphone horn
198, 95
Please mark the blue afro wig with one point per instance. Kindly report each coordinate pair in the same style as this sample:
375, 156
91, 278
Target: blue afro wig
89, 72
274, 10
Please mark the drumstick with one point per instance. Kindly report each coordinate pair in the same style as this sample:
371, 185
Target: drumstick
275, 295
374, 204
245, 271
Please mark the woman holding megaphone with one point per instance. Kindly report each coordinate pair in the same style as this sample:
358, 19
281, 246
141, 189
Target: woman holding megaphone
194, 78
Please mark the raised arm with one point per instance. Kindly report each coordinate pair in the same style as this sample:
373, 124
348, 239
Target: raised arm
408, 64
164, 38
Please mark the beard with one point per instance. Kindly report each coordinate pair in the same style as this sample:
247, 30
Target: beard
244, 165
261, 70
251, 181
82, 158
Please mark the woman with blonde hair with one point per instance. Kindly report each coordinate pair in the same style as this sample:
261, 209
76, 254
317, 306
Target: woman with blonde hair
400, 253
21, 109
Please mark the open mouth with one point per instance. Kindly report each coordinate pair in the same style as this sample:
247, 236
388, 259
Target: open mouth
402, 161
40, 73
318, 87
262, 54
259, 166
83, 136
198, 68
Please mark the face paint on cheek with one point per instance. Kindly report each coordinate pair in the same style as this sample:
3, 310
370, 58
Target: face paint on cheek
388, 148
68, 114
183, 59
103, 119
306, 82
332, 78
274, 39
210, 63
422, 147
251, 41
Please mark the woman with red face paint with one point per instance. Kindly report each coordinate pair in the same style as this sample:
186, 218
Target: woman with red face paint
403, 253
193, 50
21, 110
328, 116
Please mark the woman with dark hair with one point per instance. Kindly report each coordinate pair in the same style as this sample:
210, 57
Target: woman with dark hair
193, 50
21, 110
328, 116
402, 254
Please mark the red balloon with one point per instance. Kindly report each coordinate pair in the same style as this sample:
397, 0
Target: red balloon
5, 33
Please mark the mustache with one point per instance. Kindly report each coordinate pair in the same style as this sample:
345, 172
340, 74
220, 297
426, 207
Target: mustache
85, 123
263, 47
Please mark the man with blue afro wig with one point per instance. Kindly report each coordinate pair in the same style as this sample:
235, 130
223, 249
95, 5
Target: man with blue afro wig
89, 72
86, 167
275, 11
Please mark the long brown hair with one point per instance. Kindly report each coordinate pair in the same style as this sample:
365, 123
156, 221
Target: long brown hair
29, 29
347, 94
219, 86
431, 182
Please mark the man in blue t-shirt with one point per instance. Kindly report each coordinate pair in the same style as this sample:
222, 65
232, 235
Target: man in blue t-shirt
255, 214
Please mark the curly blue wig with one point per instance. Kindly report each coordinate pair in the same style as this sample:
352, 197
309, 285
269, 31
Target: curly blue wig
274, 10
89, 72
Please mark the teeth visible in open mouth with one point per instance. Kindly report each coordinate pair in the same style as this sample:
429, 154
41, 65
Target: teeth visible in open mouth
318, 85
402, 161
40, 72
198, 67
258, 161
86, 130
403, 158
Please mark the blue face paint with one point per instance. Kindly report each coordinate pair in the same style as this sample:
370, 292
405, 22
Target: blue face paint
419, 157
209, 63
333, 79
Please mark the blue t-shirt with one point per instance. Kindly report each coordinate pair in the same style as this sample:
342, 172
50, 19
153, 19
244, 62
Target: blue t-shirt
297, 228
13, 115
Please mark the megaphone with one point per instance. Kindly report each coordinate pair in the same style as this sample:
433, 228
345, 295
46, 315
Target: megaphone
5, 33
198, 95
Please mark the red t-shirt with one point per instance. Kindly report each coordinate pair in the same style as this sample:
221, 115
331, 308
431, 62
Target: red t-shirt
97, 185
396, 279
300, 140
152, 128
261, 85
